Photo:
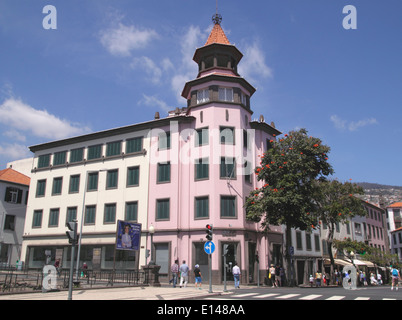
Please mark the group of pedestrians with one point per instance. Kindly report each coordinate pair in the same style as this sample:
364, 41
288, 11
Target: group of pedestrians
183, 272
276, 275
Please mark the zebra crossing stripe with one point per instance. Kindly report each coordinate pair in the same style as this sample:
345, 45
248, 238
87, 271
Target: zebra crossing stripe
362, 298
311, 297
335, 298
288, 296
245, 295
262, 296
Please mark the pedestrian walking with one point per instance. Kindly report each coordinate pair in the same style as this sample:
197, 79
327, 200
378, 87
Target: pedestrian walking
395, 278
183, 274
236, 275
175, 273
198, 276
379, 278
57, 266
318, 277
272, 275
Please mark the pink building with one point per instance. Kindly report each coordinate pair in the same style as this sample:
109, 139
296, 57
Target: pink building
202, 170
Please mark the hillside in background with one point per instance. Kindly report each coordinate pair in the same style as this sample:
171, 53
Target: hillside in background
380, 193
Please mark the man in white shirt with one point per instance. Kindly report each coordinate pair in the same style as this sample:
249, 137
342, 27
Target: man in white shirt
236, 275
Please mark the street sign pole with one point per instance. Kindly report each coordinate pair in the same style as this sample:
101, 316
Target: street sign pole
70, 284
210, 272
224, 273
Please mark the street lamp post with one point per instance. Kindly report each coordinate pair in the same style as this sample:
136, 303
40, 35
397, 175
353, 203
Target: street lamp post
152, 231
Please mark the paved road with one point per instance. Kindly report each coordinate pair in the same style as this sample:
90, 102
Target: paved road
365, 293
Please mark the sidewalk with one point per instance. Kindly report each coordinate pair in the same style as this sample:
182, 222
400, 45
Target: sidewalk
164, 292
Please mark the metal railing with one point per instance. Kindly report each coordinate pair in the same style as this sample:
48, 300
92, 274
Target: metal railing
13, 281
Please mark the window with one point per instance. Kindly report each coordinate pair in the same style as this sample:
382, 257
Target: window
74, 184
202, 137
76, 155
113, 148
269, 144
201, 207
202, 169
228, 168
57, 185
110, 213
54, 217
133, 176
226, 94
134, 145
358, 228
94, 152
299, 244
164, 140
226, 135
228, 207
44, 161
41, 188
37, 219
59, 158
202, 96
246, 172
162, 209
308, 241
317, 242
111, 179
9, 223
243, 99
71, 214
92, 181
164, 172
13, 195
131, 211
90, 213
245, 139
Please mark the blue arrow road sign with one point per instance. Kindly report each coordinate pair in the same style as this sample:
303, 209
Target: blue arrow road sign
209, 247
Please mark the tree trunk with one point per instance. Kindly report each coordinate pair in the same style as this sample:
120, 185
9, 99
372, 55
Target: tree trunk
330, 240
289, 258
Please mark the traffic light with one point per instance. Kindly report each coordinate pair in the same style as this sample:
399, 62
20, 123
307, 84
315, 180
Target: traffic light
209, 230
72, 233
225, 250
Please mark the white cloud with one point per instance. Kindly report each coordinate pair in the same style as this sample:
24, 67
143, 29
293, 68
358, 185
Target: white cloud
187, 67
154, 72
152, 101
19, 116
15, 135
253, 64
122, 40
342, 124
14, 151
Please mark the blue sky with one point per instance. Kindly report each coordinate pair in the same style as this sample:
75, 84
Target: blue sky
112, 63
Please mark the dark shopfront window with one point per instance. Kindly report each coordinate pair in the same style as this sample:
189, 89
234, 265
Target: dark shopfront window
125, 260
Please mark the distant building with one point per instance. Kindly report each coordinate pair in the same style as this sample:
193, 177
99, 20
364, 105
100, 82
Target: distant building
396, 242
394, 222
13, 201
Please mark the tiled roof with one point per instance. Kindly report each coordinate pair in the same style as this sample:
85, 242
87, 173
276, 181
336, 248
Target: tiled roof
217, 36
10, 175
396, 205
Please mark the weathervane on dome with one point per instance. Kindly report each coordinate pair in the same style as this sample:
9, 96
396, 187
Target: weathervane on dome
217, 18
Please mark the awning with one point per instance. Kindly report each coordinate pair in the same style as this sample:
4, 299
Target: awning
363, 263
339, 262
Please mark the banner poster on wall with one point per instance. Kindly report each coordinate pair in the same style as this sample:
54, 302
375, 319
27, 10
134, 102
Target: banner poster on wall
128, 235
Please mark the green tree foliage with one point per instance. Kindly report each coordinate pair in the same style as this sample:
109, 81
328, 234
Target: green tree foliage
289, 171
337, 203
